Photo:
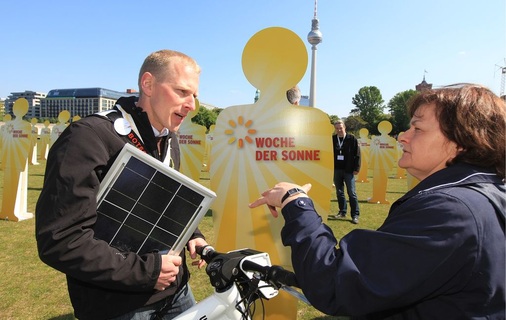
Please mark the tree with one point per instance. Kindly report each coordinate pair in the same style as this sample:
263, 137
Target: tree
369, 106
398, 107
206, 117
333, 118
354, 124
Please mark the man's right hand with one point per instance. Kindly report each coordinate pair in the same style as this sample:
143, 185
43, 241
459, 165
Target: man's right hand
168, 272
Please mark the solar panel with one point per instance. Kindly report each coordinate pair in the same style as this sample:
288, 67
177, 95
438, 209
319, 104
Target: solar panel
144, 205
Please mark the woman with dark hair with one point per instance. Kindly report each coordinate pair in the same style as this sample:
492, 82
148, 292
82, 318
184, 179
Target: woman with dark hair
472, 117
440, 253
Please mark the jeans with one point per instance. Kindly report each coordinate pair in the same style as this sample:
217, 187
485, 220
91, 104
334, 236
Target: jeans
184, 300
340, 179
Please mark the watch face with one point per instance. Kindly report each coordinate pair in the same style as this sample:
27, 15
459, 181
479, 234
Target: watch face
292, 191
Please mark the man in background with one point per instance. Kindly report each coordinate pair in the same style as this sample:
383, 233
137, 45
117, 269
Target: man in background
293, 95
346, 166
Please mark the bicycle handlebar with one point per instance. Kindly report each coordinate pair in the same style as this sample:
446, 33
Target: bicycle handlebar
222, 268
276, 275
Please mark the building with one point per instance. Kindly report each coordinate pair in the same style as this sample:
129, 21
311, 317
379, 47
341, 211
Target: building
81, 101
422, 86
304, 101
34, 102
2, 108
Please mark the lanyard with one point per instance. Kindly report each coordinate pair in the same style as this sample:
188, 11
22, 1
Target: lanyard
339, 142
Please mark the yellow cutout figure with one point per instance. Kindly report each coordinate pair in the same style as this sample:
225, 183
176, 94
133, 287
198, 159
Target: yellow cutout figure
7, 118
365, 146
34, 137
383, 155
45, 140
192, 139
209, 141
63, 118
257, 145
401, 173
76, 118
16, 146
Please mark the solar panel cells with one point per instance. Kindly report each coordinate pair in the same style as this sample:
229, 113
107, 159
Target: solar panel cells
145, 206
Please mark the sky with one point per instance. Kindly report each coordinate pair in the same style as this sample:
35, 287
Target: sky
391, 45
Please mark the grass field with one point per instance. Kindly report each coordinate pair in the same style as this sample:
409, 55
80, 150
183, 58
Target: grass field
31, 290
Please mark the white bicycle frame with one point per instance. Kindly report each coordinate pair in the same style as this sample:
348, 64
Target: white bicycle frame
220, 305
223, 305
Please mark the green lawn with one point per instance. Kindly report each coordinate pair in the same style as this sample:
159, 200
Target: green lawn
31, 290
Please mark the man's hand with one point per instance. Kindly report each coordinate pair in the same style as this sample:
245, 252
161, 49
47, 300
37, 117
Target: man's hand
197, 242
168, 271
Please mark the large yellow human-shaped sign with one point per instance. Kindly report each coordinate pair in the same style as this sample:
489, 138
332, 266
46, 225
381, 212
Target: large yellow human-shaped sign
192, 143
383, 156
7, 118
207, 154
34, 137
57, 130
256, 146
365, 145
45, 140
16, 145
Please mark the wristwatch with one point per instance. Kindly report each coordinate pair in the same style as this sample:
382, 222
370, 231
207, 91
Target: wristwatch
292, 192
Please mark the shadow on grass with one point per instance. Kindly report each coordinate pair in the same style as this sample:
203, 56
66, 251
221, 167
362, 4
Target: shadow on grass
340, 220
397, 192
68, 316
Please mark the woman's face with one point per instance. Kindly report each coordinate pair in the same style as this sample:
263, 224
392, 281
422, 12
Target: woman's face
425, 148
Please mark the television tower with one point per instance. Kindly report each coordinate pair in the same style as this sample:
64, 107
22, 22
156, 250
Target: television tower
314, 38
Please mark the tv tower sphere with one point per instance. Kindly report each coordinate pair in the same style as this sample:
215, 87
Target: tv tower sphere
314, 37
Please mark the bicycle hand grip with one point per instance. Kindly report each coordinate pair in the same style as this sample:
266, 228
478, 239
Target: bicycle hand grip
207, 253
280, 276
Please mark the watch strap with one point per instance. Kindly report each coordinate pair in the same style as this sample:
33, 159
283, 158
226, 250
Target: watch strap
292, 192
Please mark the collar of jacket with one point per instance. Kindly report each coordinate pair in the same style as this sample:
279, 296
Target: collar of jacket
458, 174
142, 123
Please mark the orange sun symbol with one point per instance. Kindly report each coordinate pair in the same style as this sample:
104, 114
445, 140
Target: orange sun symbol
231, 132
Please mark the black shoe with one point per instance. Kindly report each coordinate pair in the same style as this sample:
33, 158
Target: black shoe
337, 216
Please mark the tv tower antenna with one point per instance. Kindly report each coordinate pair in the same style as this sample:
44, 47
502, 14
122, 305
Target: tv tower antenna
314, 38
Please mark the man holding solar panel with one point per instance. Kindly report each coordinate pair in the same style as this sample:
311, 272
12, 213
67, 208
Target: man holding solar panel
105, 281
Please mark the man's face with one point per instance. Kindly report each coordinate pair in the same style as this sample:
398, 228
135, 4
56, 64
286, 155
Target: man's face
425, 148
170, 100
340, 129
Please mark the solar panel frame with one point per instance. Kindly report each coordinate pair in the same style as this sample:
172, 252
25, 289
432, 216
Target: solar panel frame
143, 205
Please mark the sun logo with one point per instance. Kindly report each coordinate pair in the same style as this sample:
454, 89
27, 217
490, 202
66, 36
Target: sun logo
240, 129
9, 128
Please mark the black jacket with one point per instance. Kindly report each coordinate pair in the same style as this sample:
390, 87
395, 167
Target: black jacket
102, 281
351, 151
